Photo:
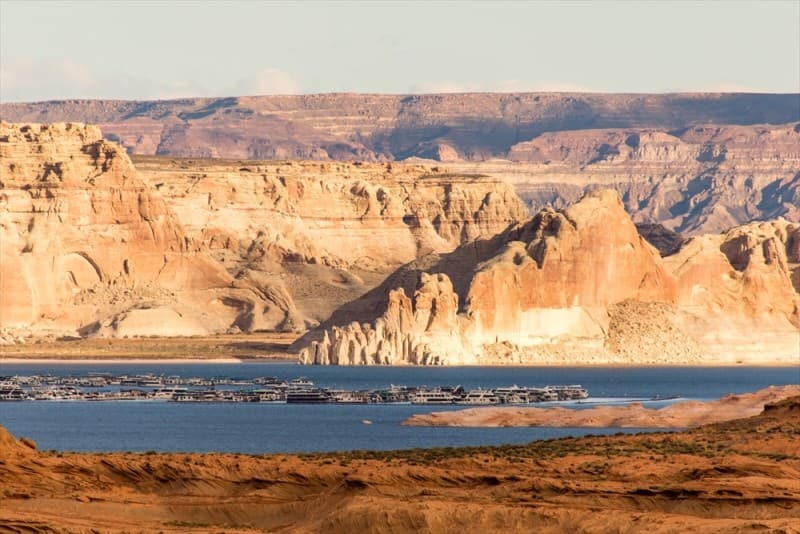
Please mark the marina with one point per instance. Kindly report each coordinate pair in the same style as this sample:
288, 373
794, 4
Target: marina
144, 424
301, 390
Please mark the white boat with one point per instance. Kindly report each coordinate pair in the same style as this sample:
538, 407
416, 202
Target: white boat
432, 396
11, 392
269, 395
512, 394
168, 393
480, 396
571, 392
349, 397
545, 394
301, 383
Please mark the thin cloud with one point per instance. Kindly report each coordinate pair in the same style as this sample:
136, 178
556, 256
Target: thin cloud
22, 79
267, 82
29, 80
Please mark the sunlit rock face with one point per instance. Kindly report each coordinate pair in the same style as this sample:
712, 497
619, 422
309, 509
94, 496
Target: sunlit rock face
93, 245
578, 285
90, 248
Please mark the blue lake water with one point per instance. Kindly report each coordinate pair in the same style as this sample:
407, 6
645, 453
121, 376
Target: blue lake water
262, 427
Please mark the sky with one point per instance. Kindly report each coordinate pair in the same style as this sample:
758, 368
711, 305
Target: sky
155, 50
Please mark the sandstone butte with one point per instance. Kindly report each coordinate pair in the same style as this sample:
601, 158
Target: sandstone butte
736, 476
579, 285
91, 246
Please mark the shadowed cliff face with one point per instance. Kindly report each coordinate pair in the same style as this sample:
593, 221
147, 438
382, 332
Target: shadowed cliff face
695, 180
579, 285
93, 246
88, 247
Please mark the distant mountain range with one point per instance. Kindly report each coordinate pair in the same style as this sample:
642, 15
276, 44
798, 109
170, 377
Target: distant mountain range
445, 127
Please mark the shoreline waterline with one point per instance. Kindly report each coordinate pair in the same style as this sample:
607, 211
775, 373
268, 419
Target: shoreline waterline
113, 360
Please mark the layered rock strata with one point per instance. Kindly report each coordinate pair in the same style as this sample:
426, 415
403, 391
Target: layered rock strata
327, 232
696, 163
466, 126
89, 248
695, 180
128, 251
579, 286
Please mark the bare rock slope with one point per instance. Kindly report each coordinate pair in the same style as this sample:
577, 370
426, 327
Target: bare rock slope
89, 248
327, 232
578, 286
93, 246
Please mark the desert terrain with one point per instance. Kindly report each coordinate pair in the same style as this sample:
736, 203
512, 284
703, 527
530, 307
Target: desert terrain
737, 476
579, 285
695, 163
229, 347
608, 229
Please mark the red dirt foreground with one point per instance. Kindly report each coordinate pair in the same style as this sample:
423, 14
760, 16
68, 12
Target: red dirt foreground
737, 476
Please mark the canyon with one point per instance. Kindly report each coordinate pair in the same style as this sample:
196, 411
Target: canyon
695, 162
93, 246
579, 285
416, 262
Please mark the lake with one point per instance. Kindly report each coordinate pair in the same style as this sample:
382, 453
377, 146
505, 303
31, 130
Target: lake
263, 427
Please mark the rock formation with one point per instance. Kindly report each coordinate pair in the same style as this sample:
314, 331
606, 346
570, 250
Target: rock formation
91, 246
695, 180
740, 290
583, 286
87, 247
696, 163
196, 247
418, 331
701, 179
327, 232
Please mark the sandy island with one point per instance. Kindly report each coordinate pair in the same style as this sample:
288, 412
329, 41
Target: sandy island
634, 415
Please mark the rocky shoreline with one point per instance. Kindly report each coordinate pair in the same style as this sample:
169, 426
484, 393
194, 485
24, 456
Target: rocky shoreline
681, 414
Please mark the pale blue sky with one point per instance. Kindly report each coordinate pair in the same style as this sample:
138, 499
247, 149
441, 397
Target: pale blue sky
142, 49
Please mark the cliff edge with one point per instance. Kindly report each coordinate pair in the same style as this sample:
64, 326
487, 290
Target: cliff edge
579, 285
